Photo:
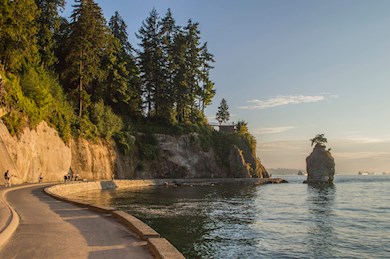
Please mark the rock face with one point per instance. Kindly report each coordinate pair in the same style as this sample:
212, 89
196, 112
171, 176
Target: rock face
34, 152
320, 166
182, 157
41, 151
92, 160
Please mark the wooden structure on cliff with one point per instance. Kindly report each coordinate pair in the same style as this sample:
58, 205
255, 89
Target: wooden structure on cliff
230, 128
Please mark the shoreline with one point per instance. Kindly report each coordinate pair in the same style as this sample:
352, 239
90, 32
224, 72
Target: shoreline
159, 246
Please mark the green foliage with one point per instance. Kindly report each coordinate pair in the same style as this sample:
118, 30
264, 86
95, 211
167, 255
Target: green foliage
14, 122
36, 97
97, 77
319, 139
18, 34
90, 40
107, 122
174, 69
242, 127
223, 114
48, 24
20, 106
125, 140
147, 145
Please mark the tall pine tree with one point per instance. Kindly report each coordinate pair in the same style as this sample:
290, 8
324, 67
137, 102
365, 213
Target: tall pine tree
89, 38
124, 86
48, 23
18, 29
223, 114
150, 62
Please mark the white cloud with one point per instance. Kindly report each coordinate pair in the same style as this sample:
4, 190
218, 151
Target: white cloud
282, 100
273, 130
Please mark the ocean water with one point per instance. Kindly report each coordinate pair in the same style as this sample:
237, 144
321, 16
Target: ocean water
350, 219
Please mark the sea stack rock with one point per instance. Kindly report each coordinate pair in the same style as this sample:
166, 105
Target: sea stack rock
320, 165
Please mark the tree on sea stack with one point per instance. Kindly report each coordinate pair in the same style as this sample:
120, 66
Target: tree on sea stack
223, 114
319, 139
320, 165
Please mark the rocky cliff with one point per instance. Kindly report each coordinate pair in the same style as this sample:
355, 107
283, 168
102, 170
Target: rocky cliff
41, 151
320, 166
34, 152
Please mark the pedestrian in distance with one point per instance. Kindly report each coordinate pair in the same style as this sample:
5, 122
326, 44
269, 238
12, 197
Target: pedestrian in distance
7, 179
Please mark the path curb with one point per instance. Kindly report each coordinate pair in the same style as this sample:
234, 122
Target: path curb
13, 218
12, 221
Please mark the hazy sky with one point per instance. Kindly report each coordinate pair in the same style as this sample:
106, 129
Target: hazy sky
292, 69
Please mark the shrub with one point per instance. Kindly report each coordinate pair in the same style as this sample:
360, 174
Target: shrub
35, 97
106, 121
147, 145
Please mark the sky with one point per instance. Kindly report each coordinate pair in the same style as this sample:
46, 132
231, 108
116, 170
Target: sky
293, 69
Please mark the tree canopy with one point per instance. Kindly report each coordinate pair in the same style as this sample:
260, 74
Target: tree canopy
319, 139
223, 114
94, 71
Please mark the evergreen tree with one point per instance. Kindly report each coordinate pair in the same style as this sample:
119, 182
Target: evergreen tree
194, 89
124, 84
90, 40
62, 48
180, 83
193, 64
207, 90
151, 61
48, 23
119, 30
223, 114
18, 29
169, 30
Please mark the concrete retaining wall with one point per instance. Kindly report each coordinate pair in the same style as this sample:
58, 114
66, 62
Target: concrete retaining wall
74, 187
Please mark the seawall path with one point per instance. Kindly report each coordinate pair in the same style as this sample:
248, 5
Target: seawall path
50, 228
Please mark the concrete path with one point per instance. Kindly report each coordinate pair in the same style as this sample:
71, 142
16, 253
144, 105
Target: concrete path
53, 229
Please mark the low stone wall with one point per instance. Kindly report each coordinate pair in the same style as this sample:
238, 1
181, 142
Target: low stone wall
74, 187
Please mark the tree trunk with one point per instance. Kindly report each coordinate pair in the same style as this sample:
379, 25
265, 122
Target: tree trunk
81, 85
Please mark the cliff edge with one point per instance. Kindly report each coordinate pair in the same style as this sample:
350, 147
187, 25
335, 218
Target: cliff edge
41, 151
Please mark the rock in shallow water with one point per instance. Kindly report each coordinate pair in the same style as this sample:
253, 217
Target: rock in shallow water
320, 166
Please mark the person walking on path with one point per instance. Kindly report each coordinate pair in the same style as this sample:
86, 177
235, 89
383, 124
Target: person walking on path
40, 178
7, 176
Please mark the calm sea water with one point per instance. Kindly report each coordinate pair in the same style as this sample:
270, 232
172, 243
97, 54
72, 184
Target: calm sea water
350, 219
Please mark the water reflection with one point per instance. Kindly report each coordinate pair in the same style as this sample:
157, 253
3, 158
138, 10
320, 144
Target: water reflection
191, 217
321, 234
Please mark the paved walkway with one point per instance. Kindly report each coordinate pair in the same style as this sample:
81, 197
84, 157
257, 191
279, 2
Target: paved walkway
53, 229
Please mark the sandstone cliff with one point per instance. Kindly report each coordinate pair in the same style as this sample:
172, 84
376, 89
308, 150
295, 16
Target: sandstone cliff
41, 151
320, 166
34, 152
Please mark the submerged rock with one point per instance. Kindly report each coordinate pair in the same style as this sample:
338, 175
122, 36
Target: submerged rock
320, 166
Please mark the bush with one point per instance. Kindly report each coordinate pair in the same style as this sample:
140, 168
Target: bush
35, 97
147, 145
14, 122
106, 121
125, 141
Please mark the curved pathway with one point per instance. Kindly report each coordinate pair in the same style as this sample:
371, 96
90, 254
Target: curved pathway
50, 228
